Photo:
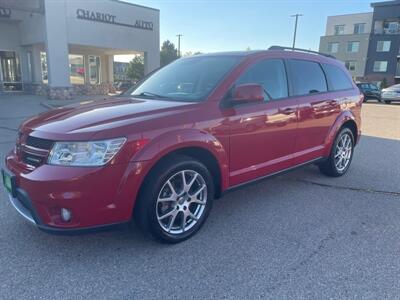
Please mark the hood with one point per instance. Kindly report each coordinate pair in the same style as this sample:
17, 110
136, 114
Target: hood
86, 119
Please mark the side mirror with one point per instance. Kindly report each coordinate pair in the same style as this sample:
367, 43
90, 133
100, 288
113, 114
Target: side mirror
247, 93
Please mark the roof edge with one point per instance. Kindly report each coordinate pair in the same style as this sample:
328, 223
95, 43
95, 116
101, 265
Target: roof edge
136, 5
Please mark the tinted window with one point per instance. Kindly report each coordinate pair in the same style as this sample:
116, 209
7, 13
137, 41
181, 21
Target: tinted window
337, 79
187, 79
271, 75
307, 77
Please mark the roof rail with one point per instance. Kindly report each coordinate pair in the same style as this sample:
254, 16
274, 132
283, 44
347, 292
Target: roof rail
300, 50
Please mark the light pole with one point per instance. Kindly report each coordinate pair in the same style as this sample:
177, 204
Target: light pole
179, 44
295, 28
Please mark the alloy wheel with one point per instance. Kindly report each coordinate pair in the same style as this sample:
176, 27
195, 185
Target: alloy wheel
343, 152
181, 202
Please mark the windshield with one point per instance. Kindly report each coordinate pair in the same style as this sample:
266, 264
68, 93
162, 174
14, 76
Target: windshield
188, 79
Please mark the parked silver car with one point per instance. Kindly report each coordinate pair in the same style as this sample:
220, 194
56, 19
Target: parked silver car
391, 93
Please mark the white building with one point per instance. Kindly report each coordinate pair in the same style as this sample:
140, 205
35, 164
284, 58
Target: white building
62, 48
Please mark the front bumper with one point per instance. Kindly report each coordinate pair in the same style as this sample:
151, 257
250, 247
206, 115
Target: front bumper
98, 198
31, 217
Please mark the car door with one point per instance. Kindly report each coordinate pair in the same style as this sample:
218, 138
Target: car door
317, 109
262, 135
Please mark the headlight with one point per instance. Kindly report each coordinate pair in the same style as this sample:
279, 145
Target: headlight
95, 153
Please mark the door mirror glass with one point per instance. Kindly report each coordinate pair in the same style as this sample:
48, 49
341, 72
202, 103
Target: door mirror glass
246, 93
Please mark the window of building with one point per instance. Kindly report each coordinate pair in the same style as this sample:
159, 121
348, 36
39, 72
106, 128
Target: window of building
391, 27
77, 69
351, 65
271, 75
353, 46
339, 29
380, 66
338, 80
314, 82
94, 69
43, 66
359, 28
383, 46
333, 47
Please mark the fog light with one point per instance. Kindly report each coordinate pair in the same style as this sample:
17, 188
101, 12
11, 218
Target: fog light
65, 214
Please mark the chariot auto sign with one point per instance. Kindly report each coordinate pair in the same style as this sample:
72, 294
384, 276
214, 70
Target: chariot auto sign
111, 19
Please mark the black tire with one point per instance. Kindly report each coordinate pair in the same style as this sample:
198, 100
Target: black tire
329, 166
387, 101
147, 206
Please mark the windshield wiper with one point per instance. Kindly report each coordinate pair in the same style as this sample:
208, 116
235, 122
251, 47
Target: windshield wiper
151, 95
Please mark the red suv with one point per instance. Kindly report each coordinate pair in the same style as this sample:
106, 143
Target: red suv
182, 137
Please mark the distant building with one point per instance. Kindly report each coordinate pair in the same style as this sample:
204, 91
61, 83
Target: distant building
384, 46
368, 43
347, 38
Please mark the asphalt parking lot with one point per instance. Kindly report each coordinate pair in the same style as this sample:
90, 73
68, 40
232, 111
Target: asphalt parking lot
300, 235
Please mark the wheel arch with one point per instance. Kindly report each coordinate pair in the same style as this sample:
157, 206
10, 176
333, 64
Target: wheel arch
345, 119
195, 144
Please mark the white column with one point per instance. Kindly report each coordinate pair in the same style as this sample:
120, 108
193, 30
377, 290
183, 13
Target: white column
57, 43
151, 61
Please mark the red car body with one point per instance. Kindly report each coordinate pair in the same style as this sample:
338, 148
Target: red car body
240, 144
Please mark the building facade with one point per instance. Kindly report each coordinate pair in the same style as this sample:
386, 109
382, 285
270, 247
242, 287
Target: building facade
384, 47
347, 38
64, 48
368, 43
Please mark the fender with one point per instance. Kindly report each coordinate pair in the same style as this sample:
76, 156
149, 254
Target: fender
344, 116
171, 141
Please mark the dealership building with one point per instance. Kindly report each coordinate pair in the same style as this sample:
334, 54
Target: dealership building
66, 48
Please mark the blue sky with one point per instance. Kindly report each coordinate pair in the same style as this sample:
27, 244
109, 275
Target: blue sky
221, 25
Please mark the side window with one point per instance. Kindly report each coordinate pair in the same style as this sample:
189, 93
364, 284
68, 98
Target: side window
338, 79
307, 77
271, 74
373, 87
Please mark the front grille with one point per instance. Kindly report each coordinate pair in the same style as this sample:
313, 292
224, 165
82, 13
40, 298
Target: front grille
39, 143
34, 151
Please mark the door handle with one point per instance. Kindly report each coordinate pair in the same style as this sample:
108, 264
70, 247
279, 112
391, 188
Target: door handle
287, 111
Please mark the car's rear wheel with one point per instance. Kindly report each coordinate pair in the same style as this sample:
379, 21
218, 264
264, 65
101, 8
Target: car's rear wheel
387, 101
175, 199
341, 155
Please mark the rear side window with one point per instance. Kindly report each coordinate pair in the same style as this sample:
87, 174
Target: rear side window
337, 78
271, 74
307, 77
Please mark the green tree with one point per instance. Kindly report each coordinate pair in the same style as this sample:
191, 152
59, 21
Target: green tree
135, 69
168, 53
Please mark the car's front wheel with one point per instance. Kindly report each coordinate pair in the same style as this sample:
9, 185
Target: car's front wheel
175, 199
341, 154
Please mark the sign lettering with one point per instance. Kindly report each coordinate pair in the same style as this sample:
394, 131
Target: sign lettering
5, 12
111, 19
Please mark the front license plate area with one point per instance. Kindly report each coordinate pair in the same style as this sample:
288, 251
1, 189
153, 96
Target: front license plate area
9, 182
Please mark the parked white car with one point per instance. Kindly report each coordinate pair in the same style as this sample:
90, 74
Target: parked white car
391, 93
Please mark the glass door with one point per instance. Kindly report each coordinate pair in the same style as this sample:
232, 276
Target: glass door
11, 71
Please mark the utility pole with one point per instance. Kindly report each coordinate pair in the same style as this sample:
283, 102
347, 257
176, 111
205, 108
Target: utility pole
295, 28
179, 44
